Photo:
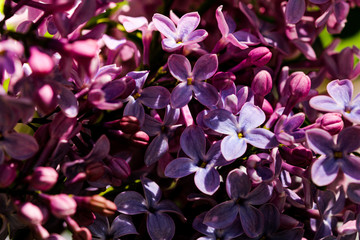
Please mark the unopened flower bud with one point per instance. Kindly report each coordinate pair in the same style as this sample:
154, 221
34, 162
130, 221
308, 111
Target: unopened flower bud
82, 234
260, 56
299, 84
262, 83
94, 171
61, 205
119, 168
331, 122
55, 236
129, 124
97, 204
8, 175
40, 63
140, 139
43, 178
223, 80
298, 156
30, 213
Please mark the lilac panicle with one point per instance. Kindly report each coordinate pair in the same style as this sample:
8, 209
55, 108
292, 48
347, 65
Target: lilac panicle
192, 81
334, 156
159, 224
240, 130
238, 188
203, 164
340, 100
181, 35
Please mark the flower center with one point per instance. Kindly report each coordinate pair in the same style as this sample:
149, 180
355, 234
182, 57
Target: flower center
240, 135
338, 155
136, 95
190, 81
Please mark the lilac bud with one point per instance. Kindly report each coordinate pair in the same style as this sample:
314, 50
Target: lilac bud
223, 80
140, 139
8, 175
119, 168
40, 63
82, 234
30, 213
55, 236
94, 171
61, 205
43, 178
331, 122
299, 84
96, 204
298, 156
262, 83
129, 124
260, 56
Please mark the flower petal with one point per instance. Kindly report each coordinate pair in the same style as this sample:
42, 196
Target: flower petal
326, 104
261, 138
160, 226
221, 121
233, 147
348, 139
179, 67
250, 117
157, 148
181, 95
320, 141
324, 171
164, 25
351, 167
222, 215
19, 145
207, 180
155, 97
206, 93
193, 142
238, 184
122, 226
205, 67
130, 202
341, 91
252, 220
180, 167
294, 11
187, 24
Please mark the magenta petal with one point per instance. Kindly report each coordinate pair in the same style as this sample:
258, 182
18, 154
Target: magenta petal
222, 24
193, 142
324, 171
222, 215
170, 45
233, 147
68, 103
130, 203
160, 226
326, 104
179, 67
181, 95
205, 67
341, 91
164, 25
155, 97
320, 141
252, 220
238, 184
207, 180
195, 37
206, 93
19, 145
187, 23
242, 38
180, 167
295, 9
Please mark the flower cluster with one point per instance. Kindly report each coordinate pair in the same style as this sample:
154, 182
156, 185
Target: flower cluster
178, 120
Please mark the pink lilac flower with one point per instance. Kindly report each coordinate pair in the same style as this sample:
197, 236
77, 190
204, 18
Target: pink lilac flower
340, 100
181, 35
334, 156
192, 81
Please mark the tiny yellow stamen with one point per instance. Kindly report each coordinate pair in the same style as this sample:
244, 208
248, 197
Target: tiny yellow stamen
137, 95
189, 81
338, 154
240, 135
203, 165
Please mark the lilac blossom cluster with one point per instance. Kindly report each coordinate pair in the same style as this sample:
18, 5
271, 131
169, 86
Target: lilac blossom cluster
178, 120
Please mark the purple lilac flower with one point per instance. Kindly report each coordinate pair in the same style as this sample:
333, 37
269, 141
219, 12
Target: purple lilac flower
181, 35
192, 81
334, 156
193, 143
340, 100
287, 129
260, 168
120, 226
228, 233
242, 199
163, 132
240, 130
159, 224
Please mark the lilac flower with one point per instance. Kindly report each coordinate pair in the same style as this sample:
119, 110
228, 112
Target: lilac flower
120, 226
192, 81
10, 52
238, 187
159, 224
227, 25
240, 130
182, 35
228, 233
334, 156
193, 143
260, 168
287, 129
163, 132
155, 97
340, 100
